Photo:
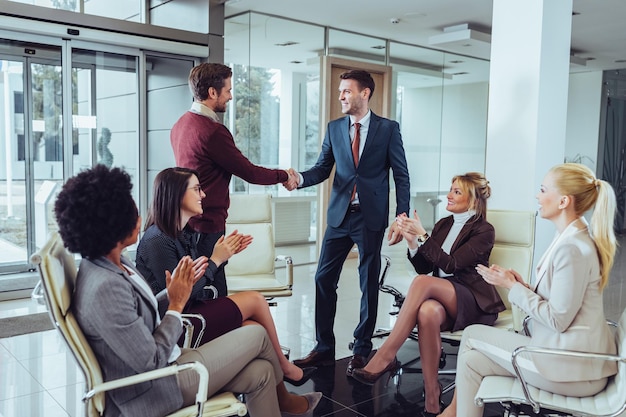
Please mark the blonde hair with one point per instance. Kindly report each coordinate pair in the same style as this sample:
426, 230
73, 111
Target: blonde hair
476, 185
579, 181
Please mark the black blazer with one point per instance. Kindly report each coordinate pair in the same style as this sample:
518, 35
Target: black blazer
472, 247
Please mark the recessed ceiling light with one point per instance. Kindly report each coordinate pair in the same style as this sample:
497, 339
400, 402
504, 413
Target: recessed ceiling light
619, 61
288, 43
378, 47
414, 14
456, 61
460, 73
295, 62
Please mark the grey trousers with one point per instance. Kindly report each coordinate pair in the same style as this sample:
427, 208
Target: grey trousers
485, 350
241, 361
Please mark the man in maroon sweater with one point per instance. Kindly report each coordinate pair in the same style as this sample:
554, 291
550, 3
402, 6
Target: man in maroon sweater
201, 142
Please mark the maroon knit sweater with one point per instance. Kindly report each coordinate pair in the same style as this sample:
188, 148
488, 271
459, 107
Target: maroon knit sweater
208, 147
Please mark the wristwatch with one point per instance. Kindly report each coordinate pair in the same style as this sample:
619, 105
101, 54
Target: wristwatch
423, 238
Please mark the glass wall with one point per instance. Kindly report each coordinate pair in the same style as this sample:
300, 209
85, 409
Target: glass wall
356, 47
71, 5
439, 99
441, 105
189, 15
105, 111
274, 114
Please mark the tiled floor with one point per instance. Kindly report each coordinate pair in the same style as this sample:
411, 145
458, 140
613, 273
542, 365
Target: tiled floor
38, 376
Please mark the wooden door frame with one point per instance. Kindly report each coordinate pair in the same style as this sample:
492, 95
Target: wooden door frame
327, 64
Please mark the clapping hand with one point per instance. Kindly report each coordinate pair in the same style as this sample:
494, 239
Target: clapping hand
227, 246
501, 277
410, 228
199, 266
180, 283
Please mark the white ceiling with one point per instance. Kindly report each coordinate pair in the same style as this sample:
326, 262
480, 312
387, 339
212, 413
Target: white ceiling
598, 28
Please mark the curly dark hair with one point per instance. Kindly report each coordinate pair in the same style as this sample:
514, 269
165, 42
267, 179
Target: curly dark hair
95, 210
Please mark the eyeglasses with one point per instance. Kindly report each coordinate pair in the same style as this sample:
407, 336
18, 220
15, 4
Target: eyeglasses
196, 188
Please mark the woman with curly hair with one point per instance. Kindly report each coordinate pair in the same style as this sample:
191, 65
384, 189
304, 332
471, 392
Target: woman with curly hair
177, 196
454, 296
119, 314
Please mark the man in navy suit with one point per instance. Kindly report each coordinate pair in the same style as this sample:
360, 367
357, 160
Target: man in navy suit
362, 146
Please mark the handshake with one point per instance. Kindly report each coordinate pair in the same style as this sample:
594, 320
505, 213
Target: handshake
293, 180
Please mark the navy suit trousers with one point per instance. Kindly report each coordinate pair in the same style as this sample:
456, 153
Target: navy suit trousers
338, 241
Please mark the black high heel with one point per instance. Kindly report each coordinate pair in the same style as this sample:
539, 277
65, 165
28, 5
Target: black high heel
370, 378
306, 375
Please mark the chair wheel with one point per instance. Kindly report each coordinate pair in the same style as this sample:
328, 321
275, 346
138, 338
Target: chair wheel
351, 345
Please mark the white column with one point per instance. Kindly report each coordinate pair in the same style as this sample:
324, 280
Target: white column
528, 86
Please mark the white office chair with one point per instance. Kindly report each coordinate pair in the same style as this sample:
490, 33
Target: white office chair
58, 276
515, 394
513, 248
254, 268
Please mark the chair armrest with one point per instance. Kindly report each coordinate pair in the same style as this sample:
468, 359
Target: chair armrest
557, 352
525, 325
203, 384
527, 320
288, 268
187, 321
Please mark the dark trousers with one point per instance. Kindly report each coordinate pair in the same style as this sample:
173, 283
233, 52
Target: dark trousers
205, 245
338, 241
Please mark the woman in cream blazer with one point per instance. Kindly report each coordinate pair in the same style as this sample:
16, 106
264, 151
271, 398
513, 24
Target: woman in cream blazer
565, 302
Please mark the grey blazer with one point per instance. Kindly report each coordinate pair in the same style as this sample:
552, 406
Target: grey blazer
567, 310
118, 318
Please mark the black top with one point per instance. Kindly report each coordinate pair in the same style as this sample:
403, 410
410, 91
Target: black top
157, 252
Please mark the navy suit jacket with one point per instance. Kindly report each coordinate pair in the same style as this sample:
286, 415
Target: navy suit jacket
383, 150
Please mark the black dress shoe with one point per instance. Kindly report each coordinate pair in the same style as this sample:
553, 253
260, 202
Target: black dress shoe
316, 359
306, 375
356, 362
370, 378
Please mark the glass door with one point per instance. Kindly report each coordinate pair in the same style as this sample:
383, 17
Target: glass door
31, 168
105, 110
38, 154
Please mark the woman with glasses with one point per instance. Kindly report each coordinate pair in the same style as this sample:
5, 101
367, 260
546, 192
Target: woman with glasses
131, 331
177, 196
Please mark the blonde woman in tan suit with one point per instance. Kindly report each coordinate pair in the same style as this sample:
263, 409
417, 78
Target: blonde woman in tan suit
564, 303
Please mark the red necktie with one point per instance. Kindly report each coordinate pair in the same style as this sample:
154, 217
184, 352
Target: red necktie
356, 142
